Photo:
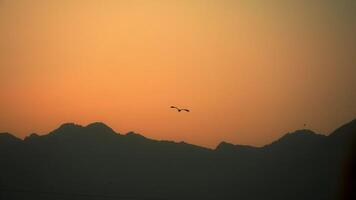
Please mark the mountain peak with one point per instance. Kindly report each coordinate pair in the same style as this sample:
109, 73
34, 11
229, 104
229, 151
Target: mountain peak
132, 134
32, 136
303, 133
7, 135
97, 124
223, 146
74, 130
298, 137
99, 127
8, 139
69, 126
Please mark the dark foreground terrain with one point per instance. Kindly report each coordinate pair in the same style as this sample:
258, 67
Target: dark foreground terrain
75, 162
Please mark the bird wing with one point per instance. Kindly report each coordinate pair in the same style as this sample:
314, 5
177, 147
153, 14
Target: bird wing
178, 109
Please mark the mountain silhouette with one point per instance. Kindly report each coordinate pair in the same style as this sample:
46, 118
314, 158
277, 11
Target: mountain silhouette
95, 162
6, 139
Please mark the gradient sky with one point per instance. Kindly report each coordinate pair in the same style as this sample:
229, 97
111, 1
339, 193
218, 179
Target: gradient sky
250, 70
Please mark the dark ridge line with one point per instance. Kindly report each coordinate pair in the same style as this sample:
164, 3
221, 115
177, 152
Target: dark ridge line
130, 133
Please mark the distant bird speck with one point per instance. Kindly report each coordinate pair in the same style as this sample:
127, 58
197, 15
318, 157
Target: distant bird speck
180, 109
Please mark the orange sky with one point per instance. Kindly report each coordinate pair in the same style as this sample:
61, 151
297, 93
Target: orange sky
250, 71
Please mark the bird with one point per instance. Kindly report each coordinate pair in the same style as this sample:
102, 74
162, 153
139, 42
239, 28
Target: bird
180, 109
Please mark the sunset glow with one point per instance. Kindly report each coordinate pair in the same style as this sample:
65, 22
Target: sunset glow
249, 71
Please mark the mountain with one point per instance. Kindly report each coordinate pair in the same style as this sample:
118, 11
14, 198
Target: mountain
345, 134
95, 162
297, 139
6, 139
226, 147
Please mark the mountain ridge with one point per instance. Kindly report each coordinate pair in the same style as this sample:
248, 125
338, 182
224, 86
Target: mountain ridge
95, 159
70, 129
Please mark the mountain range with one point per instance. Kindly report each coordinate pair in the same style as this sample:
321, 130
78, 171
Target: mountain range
95, 162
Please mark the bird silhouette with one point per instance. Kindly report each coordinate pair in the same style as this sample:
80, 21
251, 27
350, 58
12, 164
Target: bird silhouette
180, 109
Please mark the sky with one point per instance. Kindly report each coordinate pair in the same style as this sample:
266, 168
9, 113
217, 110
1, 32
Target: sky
249, 70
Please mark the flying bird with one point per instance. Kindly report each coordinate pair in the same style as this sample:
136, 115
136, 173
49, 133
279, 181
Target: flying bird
180, 109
